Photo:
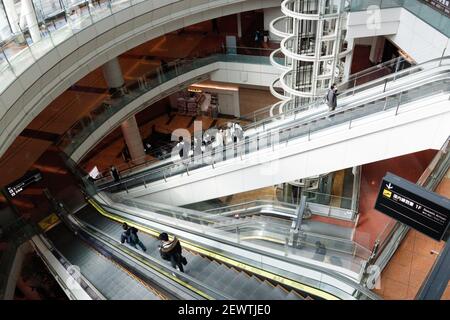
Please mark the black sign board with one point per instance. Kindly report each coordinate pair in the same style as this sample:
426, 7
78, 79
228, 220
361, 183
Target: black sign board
414, 206
20, 184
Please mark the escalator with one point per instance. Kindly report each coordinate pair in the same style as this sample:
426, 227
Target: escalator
113, 281
265, 261
232, 282
385, 96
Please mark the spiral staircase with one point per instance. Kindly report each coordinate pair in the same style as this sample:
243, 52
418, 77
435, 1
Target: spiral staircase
312, 52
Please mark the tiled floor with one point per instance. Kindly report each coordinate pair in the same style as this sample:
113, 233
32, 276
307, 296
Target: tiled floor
409, 266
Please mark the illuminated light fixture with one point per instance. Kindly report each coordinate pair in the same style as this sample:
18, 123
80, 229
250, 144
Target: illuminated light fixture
214, 86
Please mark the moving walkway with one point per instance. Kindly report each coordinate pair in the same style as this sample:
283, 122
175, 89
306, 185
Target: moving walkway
385, 96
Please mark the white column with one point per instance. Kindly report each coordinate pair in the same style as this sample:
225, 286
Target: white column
349, 60
376, 51
132, 136
12, 15
130, 130
30, 17
113, 74
239, 25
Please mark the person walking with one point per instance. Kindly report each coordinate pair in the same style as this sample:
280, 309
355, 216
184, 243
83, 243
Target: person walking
331, 99
172, 251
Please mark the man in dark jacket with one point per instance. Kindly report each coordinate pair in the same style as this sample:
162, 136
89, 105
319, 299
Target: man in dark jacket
171, 250
130, 236
331, 98
115, 174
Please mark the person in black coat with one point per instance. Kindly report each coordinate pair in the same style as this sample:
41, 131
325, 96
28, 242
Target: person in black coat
172, 251
129, 235
115, 174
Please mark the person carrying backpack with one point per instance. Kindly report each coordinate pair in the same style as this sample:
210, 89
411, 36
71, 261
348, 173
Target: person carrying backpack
172, 251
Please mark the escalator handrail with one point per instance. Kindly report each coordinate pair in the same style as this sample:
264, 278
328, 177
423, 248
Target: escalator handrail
92, 290
314, 103
165, 271
359, 288
379, 81
361, 102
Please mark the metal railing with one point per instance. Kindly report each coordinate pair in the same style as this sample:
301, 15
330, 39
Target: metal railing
262, 118
349, 253
301, 251
389, 102
197, 223
25, 47
77, 134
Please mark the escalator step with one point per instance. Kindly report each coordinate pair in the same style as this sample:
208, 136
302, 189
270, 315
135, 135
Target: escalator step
263, 292
198, 265
216, 275
279, 293
250, 286
228, 276
235, 289
206, 272
294, 296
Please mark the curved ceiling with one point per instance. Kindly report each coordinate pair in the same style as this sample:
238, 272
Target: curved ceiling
90, 48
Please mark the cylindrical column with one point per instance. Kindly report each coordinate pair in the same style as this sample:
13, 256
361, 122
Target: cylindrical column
13, 17
30, 17
133, 140
348, 60
239, 25
113, 75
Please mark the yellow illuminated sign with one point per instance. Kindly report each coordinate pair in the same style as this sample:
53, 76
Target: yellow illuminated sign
48, 222
387, 193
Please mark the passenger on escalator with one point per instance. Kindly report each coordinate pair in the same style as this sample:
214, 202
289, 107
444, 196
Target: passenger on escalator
130, 236
172, 251
236, 131
321, 251
331, 99
115, 174
183, 149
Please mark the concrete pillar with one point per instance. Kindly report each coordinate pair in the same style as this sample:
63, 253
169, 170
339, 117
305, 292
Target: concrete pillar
133, 140
376, 51
349, 60
239, 25
130, 130
29, 14
12, 15
113, 75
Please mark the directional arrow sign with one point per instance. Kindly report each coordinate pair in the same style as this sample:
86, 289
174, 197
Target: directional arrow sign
411, 204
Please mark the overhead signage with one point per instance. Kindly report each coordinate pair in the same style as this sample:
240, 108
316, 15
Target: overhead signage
20, 184
425, 211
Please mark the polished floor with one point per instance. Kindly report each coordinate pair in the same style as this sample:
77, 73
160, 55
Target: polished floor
412, 261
